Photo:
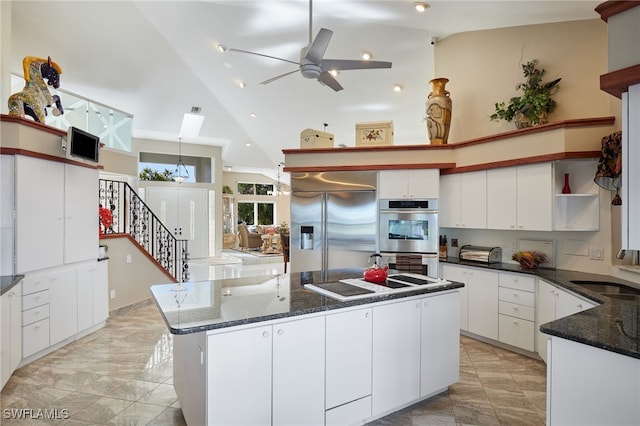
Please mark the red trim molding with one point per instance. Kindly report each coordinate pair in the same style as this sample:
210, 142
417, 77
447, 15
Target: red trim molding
611, 8
368, 167
142, 250
617, 82
33, 124
34, 154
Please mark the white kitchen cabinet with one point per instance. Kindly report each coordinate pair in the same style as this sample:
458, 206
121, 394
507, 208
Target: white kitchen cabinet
440, 343
516, 307
185, 213
501, 198
276, 370
63, 305
591, 386
580, 209
414, 183
348, 364
6, 215
521, 197
554, 303
35, 313
456, 273
464, 196
396, 355
11, 338
39, 202
92, 294
56, 217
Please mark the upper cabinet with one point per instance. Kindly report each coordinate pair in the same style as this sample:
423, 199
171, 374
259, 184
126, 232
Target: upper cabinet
415, 183
578, 210
464, 200
534, 203
630, 170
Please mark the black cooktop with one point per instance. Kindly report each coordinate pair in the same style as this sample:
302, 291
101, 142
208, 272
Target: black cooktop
343, 289
410, 279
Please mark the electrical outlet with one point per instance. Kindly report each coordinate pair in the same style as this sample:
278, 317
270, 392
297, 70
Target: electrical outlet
596, 253
514, 246
454, 242
113, 294
128, 258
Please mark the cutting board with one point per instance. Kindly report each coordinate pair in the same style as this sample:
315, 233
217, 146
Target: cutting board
544, 246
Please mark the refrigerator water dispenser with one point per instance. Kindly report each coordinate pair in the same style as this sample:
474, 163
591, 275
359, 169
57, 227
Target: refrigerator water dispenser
306, 238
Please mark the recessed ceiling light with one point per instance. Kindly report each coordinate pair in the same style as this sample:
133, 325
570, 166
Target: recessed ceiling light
421, 7
398, 87
334, 72
253, 115
248, 143
366, 55
241, 84
221, 48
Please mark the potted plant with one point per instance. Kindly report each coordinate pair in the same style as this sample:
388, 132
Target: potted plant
535, 103
283, 228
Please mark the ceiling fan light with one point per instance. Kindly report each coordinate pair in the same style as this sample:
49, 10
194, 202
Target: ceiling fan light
421, 6
366, 55
241, 84
334, 73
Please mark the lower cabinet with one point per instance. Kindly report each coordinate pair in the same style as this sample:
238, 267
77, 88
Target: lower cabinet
591, 386
342, 367
516, 306
63, 306
11, 337
267, 375
92, 294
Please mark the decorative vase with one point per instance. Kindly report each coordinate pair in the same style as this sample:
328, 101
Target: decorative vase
438, 112
566, 189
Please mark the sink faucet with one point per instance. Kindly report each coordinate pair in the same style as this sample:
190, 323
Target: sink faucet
622, 252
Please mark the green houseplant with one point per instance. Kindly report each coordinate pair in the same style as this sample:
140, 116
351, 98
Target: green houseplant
535, 103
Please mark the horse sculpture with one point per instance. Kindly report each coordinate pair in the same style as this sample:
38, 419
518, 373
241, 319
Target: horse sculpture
35, 96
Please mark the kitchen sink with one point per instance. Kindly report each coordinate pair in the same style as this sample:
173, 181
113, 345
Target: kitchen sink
608, 288
622, 296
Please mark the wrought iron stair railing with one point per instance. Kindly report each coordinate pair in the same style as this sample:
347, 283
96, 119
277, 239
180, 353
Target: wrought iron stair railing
133, 217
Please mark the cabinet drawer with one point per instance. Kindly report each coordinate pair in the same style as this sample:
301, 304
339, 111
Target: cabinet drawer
35, 314
518, 282
517, 296
35, 299
35, 337
349, 414
34, 284
517, 310
516, 332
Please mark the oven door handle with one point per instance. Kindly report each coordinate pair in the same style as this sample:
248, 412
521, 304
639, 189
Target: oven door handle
409, 211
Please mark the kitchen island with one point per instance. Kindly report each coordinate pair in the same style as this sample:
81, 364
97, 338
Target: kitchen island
266, 350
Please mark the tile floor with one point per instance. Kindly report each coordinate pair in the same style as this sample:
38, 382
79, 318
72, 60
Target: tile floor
122, 375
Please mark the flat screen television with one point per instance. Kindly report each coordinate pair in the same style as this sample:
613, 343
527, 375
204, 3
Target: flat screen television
82, 144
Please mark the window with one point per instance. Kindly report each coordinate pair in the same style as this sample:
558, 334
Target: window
255, 213
254, 188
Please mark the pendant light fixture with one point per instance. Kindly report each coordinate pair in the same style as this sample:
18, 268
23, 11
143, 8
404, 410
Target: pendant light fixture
181, 173
278, 188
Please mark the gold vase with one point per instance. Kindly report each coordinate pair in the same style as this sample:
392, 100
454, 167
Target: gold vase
438, 112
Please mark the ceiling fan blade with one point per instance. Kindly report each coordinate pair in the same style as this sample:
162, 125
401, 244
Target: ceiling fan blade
345, 64
263, 55
319, 46
328, 79
279, 76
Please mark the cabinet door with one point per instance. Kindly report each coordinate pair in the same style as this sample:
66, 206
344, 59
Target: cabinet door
483, 303
501, 198
535, 197
392, 183
85, 296
6, 214
455, 273
473, 200
396, 355
440, 343
81, 214
449, 202
40, 214
298, 372
11, 338
63, 305
423, 183
348, 375
239, 377
568, 304
101, 292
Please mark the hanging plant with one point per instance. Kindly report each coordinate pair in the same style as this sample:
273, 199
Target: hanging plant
536, 102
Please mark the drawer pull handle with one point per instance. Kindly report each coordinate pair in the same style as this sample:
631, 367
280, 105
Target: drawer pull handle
280, 332
515, 307
515, 322
265, 334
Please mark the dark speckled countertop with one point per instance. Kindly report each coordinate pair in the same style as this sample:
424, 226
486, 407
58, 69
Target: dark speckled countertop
614, 325
208, 305
7, 282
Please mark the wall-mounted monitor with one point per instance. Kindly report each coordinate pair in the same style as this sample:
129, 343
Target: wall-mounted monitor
82, 144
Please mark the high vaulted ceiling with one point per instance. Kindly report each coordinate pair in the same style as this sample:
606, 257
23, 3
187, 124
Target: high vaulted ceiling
156, 59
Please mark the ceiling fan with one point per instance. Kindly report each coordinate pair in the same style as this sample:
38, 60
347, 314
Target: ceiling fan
312, 63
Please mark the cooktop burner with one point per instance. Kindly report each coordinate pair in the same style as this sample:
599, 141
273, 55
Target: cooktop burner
411, 279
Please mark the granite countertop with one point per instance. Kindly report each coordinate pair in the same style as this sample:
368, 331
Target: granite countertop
208, 305
614, 325
7, 282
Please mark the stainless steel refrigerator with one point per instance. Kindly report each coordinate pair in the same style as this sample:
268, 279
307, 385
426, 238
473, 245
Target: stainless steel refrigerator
333, 220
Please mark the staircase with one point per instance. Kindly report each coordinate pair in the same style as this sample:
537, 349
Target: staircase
131, 216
